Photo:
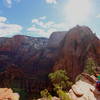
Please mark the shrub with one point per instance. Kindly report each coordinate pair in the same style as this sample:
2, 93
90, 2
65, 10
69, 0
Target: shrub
45, 94
63, 95
90, 66
60, 78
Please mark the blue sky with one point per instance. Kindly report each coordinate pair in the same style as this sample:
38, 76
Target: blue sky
42, 17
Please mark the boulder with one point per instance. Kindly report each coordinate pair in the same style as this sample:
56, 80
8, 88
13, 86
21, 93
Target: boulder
8, 94
84, 90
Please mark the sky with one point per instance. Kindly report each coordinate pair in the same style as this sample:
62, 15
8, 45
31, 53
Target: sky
39, 18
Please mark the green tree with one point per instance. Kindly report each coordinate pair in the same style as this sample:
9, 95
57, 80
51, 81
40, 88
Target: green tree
45, 94
90, 66
60, 82
60, 78
62, 94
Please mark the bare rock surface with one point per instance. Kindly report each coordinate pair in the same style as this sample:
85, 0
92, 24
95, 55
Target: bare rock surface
55, 39
78, 44
8, 94
84, 90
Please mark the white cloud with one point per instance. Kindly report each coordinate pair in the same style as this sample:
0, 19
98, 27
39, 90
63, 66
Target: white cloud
3, 19
35, 21
9, 3
43, 17
45, 28
98, 16
8, 29
51, 1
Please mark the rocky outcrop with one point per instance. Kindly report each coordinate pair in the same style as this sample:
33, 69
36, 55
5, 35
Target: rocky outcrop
84, 89
8, 94
78, 44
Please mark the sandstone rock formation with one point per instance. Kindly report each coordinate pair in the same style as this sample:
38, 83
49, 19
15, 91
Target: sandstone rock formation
78, 44
84, 90
55, 39
24, 62
7, 94
27, 61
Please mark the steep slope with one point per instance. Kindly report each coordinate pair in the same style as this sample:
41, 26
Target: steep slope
19, 49
27, 61
78, 44
55, 39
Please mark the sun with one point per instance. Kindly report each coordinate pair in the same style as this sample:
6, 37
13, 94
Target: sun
77, 11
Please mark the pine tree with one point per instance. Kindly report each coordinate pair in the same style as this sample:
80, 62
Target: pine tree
60, 78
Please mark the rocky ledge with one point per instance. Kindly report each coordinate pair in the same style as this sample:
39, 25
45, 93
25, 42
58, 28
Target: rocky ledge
84, 89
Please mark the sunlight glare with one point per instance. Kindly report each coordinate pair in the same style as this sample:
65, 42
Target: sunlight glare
77, 11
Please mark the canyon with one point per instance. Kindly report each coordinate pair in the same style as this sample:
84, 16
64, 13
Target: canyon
25, 61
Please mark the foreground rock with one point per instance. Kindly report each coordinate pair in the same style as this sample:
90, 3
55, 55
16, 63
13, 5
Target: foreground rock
8, 94
84, 90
